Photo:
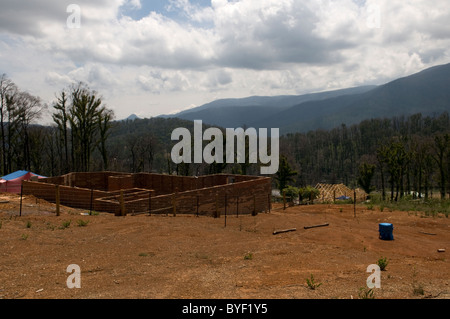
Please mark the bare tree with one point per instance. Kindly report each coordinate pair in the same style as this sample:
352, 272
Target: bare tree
28, 109
7, 90
104, 120
61, 118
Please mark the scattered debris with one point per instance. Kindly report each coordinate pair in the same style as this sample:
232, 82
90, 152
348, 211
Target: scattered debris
431, 234
39, 290
441, 250
316, 226
284, 231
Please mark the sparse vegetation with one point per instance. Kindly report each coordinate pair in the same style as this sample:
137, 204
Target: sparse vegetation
366, 293
66, 224
382, 263
28, 224
312, 283
248, 256
417, 287
50, 226
82, 223
24, 236
418, 290
430, 207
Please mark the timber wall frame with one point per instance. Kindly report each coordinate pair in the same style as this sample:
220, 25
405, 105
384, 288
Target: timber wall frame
121, 193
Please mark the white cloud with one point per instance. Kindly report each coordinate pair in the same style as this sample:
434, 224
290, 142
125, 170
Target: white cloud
228, 49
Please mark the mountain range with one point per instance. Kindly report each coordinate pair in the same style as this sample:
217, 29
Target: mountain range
426, 92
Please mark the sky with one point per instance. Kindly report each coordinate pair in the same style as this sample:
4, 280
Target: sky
153, 57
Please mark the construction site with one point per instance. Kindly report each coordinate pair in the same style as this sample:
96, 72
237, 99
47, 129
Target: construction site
165, 243
121, 194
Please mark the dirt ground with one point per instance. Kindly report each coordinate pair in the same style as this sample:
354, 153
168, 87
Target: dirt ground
188, 257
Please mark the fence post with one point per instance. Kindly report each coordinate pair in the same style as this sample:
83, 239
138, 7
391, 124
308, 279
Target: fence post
198, 200
122, 204
92, 199
269, 199
21, 194
217, 215
254, 205
284, 200
150, 203
226, 204
174, 202
57, 200
237, 207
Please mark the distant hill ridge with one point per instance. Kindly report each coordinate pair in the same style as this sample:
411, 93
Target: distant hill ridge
426, 92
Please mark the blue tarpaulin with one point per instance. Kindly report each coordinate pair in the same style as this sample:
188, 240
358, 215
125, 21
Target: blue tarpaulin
11, 183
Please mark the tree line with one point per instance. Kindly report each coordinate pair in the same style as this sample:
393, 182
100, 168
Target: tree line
81, 127
408, 155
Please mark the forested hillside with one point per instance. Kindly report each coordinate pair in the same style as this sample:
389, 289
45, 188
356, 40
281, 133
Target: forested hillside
425, 92
406, 153
397, 155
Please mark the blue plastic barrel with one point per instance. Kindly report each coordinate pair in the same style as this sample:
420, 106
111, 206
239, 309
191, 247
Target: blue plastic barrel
386, 231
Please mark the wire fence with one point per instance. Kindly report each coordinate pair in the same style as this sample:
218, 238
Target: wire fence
216, 201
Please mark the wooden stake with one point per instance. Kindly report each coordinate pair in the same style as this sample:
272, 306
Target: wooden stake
57, 200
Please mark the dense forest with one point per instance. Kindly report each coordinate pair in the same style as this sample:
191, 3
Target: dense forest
401, 155
397, 156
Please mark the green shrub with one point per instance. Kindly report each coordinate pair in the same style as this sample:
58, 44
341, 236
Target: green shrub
366, 293
309, 193
382, 263
248, 256
291, 191
312, 283
66, 224
82, 223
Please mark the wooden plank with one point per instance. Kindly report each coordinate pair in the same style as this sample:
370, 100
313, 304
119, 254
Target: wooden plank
316, 226
284, 231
